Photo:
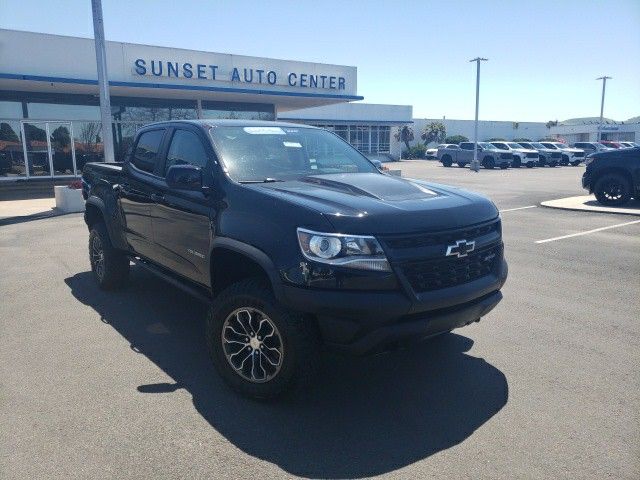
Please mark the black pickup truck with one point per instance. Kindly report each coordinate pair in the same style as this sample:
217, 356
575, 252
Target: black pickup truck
613, 176
295, 239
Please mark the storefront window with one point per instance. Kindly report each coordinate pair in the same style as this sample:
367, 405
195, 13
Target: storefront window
58, 111
11, 151
149, 110
87, 137
367, 139
237, 111
10, 109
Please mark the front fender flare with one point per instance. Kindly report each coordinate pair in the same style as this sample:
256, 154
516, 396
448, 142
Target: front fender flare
257, 256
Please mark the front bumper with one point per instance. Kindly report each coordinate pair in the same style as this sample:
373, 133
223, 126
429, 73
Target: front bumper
365, 322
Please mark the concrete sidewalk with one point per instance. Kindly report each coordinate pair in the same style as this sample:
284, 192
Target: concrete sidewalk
25, 208
588, 203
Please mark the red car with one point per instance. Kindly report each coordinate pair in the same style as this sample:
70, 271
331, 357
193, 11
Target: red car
611, 144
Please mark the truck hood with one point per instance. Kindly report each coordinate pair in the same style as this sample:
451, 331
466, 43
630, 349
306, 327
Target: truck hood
372, 203
572, 150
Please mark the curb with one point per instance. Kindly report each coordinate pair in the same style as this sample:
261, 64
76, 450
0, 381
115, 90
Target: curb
595, 209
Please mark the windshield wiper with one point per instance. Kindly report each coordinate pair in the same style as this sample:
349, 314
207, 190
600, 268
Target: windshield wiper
264, 180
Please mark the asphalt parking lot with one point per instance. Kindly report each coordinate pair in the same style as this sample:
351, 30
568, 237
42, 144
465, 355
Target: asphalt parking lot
101, 385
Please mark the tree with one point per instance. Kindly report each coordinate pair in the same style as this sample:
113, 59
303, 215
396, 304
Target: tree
404, 134
456, 139
522, 140
7, 134
89, 135
552, 123
497, 139
434, 132
61, 136
548, 139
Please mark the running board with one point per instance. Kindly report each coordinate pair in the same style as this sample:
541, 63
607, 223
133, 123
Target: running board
194, 291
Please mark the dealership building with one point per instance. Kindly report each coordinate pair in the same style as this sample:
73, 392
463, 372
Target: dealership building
49, 105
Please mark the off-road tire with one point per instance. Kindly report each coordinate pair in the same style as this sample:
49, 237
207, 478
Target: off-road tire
300, 340
447, 161
112, 271
612, 183
489, 163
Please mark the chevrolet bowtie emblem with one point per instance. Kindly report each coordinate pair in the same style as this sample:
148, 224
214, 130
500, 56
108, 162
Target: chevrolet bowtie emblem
461, 249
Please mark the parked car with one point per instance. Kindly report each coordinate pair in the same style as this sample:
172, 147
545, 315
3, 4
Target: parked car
546, 156
592, 147
294, 239
488, 155
573, 156
610, 144
613, 176
521, 155
628, 144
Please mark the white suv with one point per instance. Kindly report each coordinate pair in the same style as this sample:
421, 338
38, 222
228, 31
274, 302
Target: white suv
573, 156
521, 155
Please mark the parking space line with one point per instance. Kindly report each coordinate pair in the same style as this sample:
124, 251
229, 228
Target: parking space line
518, 208
587, 232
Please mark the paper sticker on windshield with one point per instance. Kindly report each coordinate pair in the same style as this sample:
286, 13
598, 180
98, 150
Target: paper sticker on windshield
292, 144
264, 130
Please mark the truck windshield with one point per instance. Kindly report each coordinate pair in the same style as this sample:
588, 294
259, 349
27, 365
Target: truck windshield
514, 145
273, 153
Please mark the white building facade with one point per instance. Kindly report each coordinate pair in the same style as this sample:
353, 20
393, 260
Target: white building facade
591, 131
368, 127
49, 108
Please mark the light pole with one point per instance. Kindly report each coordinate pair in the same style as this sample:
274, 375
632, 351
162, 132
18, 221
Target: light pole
604, 86
474, 164
103, 83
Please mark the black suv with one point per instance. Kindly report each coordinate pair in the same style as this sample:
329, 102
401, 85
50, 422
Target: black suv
613, 176
295, 239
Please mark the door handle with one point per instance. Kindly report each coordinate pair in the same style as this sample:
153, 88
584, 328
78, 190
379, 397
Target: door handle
157, 198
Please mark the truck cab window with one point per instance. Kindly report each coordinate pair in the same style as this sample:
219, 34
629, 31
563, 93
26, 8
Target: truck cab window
186, 149
145, 155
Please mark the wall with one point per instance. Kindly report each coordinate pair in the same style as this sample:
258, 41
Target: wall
486, 129
629, 132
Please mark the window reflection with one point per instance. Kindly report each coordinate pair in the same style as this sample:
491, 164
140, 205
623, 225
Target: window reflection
11, 152
61, 148
88, 143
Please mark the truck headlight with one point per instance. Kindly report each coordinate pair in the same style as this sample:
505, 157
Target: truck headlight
589, 159
351, 251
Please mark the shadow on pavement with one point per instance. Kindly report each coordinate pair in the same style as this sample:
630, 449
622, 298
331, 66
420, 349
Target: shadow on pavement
363, 417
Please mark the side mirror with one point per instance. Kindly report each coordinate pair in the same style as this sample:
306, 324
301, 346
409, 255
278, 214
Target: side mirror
184, 177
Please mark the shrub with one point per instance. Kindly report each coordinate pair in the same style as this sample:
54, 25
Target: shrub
522, 139
417, 151
497, 139
456, 139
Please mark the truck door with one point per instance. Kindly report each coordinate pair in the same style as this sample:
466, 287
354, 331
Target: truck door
182, 219
136, 190
466, 152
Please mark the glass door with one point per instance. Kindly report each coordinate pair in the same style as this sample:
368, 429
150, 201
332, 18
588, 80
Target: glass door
36, 149
61, 148
49, 148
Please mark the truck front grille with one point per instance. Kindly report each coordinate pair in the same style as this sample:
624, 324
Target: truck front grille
506, 156
532, 155
556, 155
435, 274
578, 154
441, 238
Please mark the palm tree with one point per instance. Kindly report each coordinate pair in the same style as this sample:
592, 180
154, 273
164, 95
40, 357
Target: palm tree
404, 134
434, 132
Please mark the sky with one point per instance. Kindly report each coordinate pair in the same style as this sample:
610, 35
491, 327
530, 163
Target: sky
544, 56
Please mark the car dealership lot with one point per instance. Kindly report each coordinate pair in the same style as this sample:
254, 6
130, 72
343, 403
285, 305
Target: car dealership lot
546, 386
